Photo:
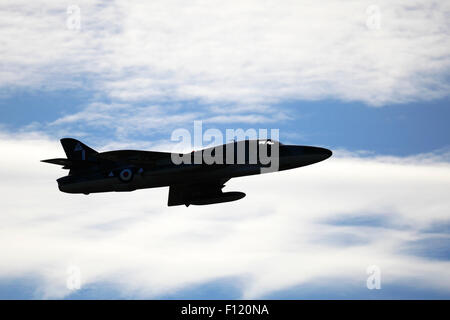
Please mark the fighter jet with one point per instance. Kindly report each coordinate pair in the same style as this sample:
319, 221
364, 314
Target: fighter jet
195, 178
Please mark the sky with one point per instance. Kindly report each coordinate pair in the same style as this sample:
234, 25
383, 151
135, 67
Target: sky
369, 80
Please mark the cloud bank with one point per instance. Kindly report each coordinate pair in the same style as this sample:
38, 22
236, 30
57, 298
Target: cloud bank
245, 52
329, 220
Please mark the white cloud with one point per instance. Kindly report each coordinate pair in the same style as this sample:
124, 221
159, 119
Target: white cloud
242, 52
127, 120
275, 238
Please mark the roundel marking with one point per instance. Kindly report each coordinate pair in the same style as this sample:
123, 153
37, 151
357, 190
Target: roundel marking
126, 175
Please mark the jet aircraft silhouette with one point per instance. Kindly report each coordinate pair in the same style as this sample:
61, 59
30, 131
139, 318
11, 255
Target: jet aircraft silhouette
195, 178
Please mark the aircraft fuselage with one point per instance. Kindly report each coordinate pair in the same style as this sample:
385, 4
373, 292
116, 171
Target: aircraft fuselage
193, 178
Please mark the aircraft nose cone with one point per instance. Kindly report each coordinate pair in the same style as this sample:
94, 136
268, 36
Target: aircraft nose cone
324, 153
319, 154
295, 156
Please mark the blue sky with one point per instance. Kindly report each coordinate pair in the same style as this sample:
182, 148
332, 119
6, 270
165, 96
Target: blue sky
401, 130
370, 83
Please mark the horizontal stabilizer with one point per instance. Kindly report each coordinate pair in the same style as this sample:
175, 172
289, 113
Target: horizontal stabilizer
59, 161
70, 164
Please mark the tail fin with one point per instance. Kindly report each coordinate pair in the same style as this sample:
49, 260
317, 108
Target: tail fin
76, 150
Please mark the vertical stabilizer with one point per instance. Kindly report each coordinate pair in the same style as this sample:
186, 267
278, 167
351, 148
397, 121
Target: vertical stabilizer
76, 150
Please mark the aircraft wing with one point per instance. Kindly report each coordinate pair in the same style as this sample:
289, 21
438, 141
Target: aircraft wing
201, 193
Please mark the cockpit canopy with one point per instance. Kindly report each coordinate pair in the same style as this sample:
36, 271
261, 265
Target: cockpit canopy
268, 141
